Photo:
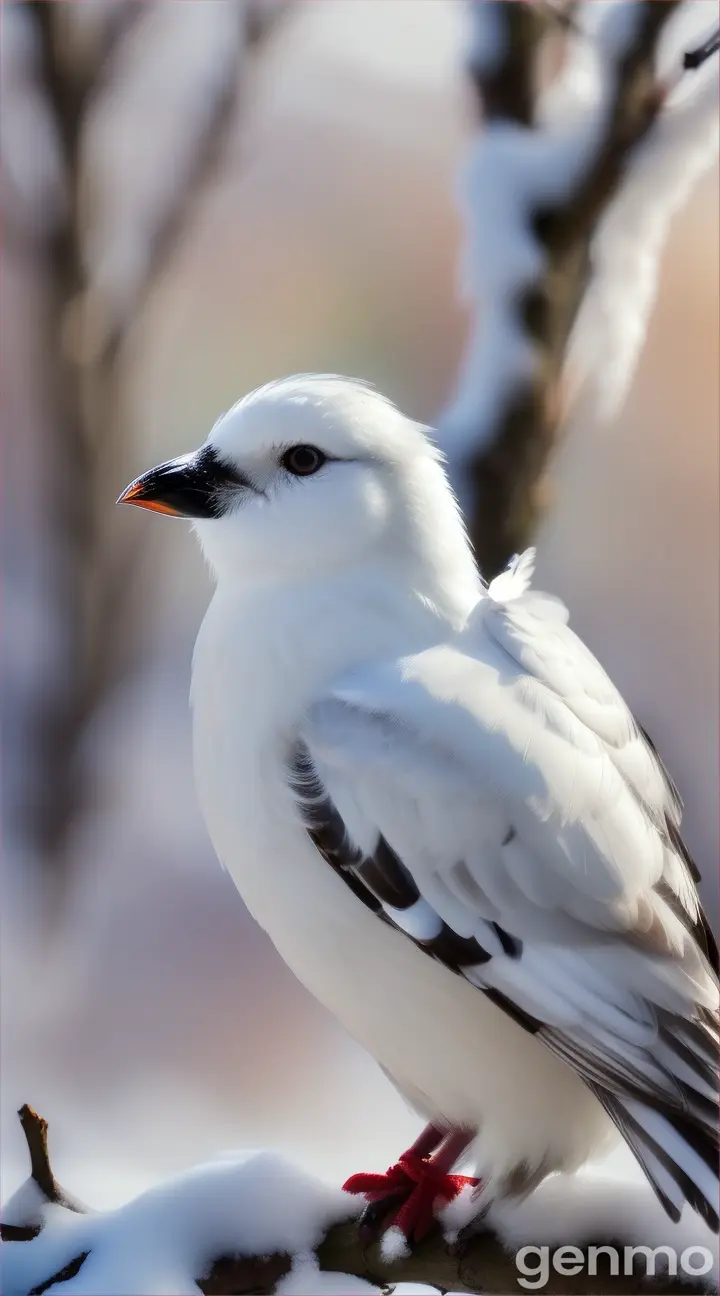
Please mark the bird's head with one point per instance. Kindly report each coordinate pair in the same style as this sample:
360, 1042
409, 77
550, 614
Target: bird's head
312, 474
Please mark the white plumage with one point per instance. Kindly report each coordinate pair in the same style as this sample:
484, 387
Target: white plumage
435, 802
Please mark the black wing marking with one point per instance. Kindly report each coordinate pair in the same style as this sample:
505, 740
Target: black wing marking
669, 827
384, 884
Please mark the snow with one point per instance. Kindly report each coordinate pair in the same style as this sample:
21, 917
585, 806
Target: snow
26, 1206
254, 1203
589, 1207
513, 171
679, 149
305, 1279
394, 1245
415, 1289
510, 172
258, 1203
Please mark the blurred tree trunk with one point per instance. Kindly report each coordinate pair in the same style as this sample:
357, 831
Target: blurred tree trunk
507, 450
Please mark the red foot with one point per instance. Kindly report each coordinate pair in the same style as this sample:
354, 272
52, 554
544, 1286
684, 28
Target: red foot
415, 1184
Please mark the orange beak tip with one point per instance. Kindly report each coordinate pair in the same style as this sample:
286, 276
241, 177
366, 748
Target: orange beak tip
133, 495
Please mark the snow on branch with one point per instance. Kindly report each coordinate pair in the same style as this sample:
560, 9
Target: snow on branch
568, 195
254, 1223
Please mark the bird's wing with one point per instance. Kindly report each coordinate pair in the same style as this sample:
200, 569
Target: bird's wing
495, 801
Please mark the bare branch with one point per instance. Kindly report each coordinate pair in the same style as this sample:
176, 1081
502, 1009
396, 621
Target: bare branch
53, 728
90, 584
34, 1128
35, 1131
100, 327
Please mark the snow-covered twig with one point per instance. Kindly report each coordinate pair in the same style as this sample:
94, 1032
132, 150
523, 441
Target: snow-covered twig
541, 186
35, 1131
254, 1223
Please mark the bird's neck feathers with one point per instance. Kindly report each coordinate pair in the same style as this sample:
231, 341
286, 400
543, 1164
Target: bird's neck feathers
439, 559
267, 652
272, 646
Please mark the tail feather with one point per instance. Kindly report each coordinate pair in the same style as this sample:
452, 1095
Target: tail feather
678, 1155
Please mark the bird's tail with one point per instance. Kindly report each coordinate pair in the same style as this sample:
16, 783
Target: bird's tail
678, 1154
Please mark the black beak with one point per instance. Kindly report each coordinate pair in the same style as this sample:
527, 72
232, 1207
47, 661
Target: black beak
194, 486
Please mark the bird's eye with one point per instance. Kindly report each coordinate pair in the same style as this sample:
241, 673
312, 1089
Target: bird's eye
303, 460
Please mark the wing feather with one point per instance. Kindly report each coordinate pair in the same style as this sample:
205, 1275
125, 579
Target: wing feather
494, 799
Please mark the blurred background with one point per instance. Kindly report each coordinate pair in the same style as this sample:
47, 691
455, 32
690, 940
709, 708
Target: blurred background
261, 190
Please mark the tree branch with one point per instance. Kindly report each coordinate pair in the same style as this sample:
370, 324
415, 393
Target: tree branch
34, 1128
483, 1264
89, 583
507, 449
35, 1131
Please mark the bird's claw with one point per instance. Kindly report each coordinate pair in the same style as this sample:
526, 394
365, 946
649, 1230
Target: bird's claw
467, 1235
404, 1197
377, 1217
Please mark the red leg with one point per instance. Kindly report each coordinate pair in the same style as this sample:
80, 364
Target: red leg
426, 1142
452, 1149
386, 1193
434, 1184
405, 1195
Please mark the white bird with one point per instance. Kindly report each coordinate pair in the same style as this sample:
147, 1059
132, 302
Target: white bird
433, 799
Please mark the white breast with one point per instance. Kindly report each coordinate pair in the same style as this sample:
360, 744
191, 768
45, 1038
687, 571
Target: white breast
454, 1055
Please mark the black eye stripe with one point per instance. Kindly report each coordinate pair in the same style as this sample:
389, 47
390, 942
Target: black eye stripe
303, 460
